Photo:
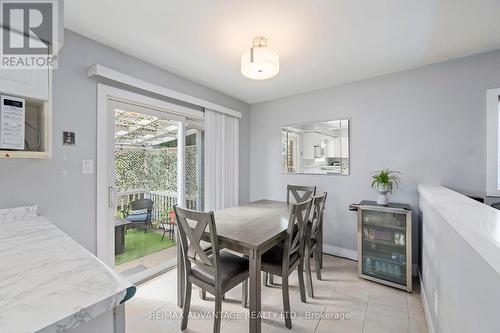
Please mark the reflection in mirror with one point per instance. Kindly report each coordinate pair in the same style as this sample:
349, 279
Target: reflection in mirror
316, 148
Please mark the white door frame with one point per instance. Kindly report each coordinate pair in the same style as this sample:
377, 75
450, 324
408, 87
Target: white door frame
492, 136
105, 94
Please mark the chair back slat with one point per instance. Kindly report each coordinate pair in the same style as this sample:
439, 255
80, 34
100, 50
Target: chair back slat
297, 223
192, 226
142, 204
299, 193
318, 206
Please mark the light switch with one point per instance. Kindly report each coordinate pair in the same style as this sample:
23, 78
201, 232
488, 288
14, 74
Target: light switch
87, 167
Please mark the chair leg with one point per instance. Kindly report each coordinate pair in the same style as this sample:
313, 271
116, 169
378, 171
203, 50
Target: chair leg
217, 312
317, 259
266, 279
271, 279
310, 290
186, 305
203, 294
244, 294
286, 301
302, 287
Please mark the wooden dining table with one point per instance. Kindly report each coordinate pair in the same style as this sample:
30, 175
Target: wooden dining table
249, 229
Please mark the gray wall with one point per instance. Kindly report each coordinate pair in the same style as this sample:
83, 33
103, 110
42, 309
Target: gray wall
429, 123
63, 194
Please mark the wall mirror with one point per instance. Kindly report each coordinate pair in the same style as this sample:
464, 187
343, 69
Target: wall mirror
316, 148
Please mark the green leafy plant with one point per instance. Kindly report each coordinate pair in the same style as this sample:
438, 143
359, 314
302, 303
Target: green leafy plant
165, 213
385, 179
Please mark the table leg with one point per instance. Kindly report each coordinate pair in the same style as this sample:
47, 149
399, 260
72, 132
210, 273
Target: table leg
255, 292
119, 239
180, 273
320, 245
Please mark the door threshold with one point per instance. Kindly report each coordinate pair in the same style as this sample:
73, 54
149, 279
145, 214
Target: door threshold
151, 273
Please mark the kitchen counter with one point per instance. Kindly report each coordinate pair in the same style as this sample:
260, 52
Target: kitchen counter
49, 282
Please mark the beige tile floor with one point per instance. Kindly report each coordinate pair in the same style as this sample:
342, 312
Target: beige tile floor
344, 303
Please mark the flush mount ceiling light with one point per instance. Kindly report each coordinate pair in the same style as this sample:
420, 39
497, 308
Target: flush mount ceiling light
260, 62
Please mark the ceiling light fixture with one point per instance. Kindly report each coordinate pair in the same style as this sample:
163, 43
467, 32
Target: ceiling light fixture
260, 62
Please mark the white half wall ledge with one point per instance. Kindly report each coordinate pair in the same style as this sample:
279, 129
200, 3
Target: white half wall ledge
425, 305
104, 72
340, 252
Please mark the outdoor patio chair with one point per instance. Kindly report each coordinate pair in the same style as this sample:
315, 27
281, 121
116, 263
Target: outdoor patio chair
139, 213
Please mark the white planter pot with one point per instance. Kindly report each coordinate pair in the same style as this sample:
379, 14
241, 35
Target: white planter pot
383, 196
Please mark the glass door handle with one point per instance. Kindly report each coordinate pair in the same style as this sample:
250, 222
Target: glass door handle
111, 197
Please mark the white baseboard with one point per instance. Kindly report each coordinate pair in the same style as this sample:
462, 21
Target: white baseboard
425, 304
340, 252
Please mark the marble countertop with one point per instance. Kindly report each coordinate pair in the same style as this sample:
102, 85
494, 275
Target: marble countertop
49, 282
477, 223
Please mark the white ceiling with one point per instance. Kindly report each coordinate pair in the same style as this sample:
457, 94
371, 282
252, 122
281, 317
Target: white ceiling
321, 43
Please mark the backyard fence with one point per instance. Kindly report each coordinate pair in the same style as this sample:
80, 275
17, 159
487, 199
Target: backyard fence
154, 170
161, 201
152, 174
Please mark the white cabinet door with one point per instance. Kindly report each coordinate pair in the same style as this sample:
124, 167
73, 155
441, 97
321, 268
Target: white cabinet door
331, 148
27, 83
308, 142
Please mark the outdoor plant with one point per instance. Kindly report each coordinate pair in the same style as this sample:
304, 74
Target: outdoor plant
165, 214
384, 181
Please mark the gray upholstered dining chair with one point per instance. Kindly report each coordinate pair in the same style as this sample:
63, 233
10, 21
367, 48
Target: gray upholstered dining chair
216, 273
299, 193
283, 260
313, 239
294, 193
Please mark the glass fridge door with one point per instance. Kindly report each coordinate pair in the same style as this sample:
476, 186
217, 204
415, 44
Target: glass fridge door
384, 245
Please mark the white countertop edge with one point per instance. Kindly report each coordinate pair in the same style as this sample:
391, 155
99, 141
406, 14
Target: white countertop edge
84, 315
477, 223
50, 278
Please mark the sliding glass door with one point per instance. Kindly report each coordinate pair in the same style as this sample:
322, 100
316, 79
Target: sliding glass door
157, 160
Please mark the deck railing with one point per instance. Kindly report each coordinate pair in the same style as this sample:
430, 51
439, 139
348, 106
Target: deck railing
161, 201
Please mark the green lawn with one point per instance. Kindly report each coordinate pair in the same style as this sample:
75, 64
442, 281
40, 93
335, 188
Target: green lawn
139, 244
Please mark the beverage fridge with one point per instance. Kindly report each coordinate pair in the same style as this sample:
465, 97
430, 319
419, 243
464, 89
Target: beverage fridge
384, 244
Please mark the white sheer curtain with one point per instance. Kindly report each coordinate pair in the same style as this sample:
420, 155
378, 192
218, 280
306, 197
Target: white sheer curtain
221, 160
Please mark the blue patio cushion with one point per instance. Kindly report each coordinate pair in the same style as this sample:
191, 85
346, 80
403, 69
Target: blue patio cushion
138, 212
137, 217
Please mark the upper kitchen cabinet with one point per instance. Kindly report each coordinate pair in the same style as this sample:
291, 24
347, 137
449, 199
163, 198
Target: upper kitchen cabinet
311, 142
25, 83
333, 147
26, 110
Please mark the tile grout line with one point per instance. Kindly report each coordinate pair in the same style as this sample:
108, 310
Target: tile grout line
366, 309
331, 297
324, 309
408, 312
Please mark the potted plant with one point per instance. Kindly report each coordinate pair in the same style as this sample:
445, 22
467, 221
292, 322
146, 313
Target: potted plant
383, 182
168, 216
